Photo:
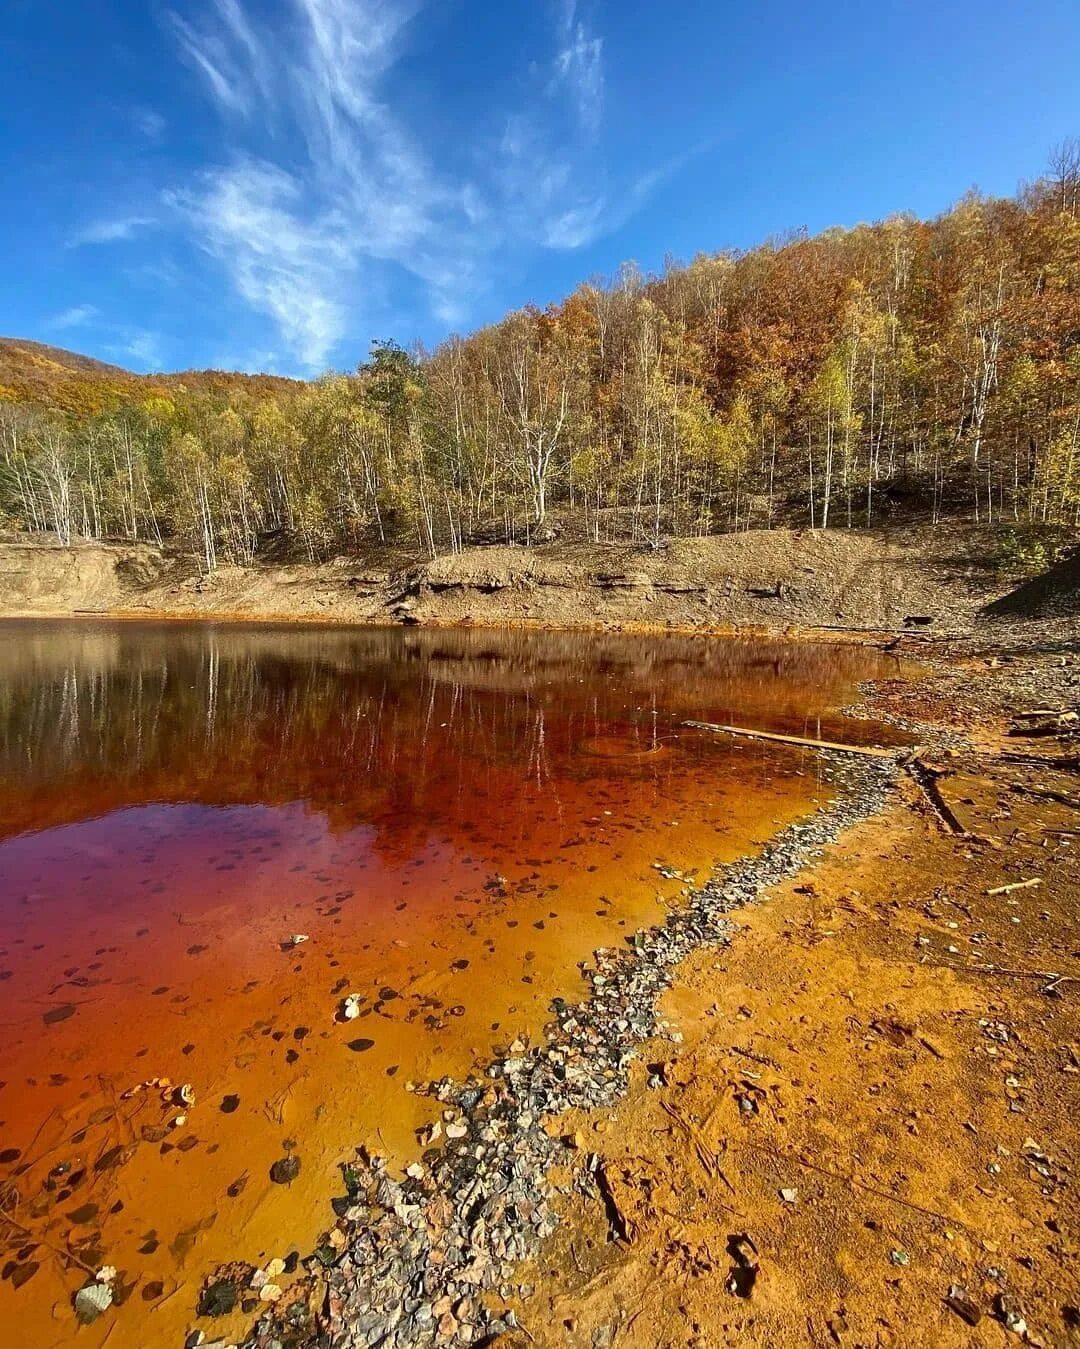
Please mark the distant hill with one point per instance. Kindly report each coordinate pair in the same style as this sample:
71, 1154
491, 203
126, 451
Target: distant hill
20, 354
33, 372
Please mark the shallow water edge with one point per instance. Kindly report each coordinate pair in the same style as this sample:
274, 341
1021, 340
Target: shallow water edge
178, 798
430, 1258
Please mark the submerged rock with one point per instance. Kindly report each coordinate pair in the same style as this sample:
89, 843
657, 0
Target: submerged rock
92, 1301
285, 1170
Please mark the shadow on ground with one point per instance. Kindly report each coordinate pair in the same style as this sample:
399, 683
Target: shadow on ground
1056, 592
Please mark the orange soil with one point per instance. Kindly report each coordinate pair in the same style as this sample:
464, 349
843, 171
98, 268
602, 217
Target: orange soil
923, 1151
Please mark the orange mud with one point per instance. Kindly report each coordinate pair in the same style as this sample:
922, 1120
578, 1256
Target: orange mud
453, 820
874, 1103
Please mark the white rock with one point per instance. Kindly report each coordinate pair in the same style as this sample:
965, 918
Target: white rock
91, 1301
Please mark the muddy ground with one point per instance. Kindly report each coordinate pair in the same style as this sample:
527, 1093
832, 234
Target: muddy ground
869, 1134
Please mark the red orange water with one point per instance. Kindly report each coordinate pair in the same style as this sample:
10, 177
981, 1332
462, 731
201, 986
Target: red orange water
453, 821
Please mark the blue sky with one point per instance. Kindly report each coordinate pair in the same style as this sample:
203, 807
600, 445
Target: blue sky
269, 184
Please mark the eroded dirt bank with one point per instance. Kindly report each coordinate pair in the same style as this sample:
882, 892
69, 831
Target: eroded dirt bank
862, 580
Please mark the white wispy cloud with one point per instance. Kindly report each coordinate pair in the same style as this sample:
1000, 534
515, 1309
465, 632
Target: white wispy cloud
249, 217
294, 236
212, 51
579, 67
325, 194
149, 124
75, 317
111, 231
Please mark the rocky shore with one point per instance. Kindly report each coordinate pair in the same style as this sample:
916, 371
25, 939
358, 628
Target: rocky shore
431, 1259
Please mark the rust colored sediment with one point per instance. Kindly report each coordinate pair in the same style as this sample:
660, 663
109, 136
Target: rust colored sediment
453, 820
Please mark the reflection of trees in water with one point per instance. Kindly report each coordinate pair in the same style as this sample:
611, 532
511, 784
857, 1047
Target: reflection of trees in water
375, 720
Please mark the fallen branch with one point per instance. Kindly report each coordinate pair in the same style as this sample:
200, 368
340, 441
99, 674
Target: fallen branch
1053, 979
926, 780
1046, 794
807, 742
850, 1180
1016, 885
1068, 765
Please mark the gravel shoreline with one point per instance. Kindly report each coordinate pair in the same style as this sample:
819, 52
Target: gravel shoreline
410, 1261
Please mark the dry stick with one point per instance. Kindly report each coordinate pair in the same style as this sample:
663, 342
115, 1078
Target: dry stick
1051, 975
750, 1054
1069, 765
648, 1293
926, 782
705, 1155
1046, 794
872, 751
1016, 885
850, 1180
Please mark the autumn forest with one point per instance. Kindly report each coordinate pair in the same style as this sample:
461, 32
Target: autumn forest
907, 369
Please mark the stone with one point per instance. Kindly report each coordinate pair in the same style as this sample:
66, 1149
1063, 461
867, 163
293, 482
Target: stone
92, 1301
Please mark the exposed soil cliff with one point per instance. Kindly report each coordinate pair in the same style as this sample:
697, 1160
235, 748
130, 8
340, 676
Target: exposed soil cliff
941, 578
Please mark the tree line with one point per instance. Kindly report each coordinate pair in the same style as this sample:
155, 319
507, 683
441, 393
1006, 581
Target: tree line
910, 367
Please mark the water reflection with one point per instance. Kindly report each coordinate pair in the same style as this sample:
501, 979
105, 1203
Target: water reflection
243, 714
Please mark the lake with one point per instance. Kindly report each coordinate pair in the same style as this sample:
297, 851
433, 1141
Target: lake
451, 820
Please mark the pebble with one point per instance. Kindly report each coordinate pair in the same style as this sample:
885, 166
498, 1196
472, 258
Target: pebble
92, 1301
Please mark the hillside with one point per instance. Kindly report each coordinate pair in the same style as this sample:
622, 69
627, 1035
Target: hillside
55, 378
884, 374
22, 356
